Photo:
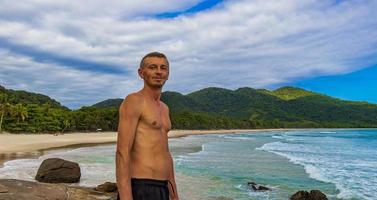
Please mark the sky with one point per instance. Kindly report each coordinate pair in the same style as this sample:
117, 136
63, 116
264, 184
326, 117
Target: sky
80, 52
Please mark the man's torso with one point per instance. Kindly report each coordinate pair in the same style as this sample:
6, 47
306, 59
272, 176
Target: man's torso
149, 154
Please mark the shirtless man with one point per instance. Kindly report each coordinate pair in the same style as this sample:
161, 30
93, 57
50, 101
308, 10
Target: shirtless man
144, 165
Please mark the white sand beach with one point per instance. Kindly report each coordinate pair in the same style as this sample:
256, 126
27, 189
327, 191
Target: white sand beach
15, 143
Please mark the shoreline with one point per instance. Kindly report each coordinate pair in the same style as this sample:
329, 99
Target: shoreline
24, 143
22, 146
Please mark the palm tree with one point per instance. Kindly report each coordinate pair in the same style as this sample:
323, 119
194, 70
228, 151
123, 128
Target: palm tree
20, 111
66, 124
5, 108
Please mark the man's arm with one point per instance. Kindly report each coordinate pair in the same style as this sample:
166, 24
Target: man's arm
129, 114
173, 193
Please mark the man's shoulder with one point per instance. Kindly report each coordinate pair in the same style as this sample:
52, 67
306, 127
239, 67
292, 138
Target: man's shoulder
136, 96
164, 105
132, 99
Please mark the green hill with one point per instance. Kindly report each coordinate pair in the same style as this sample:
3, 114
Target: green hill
109, 103
289, 93
251, 108
24, 97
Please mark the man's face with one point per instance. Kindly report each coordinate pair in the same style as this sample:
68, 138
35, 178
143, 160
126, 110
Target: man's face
155, 71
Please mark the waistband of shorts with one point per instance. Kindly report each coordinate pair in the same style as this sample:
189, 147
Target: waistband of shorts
147, 181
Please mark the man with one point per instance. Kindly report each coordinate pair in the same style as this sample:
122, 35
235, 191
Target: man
144, 166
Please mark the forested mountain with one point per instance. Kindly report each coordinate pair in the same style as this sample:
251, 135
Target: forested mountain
24, 97
209, 108
109, 103
252, 108
22, 111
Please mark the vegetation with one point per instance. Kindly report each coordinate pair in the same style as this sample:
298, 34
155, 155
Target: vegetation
22, 111
210, 108
286, 107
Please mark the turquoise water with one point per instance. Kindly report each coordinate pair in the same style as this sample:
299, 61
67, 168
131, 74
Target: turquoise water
233, 160
341, 163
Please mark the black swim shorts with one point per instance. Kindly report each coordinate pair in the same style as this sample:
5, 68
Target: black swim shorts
149, 189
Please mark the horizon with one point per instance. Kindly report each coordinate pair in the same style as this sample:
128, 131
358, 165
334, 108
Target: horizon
80, 55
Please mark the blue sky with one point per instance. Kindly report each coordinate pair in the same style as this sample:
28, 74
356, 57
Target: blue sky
358, 86
200, 7
82, 53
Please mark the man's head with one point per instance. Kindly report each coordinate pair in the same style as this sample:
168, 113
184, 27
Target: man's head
154, 69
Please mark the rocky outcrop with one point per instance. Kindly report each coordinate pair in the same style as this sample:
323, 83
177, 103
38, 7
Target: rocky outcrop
3, 189
56, 170
312, 195
19, 190
258, 187
107, 187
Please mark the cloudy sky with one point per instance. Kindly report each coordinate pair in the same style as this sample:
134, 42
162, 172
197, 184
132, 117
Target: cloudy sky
82, 52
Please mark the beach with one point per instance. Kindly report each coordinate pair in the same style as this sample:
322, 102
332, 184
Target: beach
23, 143
219, 163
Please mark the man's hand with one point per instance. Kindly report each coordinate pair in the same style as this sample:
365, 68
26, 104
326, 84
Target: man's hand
173, 193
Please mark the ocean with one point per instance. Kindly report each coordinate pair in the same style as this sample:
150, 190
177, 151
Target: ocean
342, 163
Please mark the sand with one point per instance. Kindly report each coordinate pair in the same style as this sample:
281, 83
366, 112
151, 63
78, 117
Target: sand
23, 143
18, 143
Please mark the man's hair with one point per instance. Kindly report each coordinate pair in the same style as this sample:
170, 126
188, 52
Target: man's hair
153, 54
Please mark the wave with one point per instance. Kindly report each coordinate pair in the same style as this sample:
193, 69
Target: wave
236, 137
353, 177
23, 169
239, 138
327, 132
96, 163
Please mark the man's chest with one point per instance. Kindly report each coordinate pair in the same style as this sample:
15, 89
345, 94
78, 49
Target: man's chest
156, 117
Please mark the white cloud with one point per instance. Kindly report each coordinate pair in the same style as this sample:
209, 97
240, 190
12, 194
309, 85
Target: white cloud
241, 43
69, 86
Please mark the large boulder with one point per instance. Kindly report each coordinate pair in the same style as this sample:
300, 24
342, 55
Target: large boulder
28, 190
56, 170
312, 195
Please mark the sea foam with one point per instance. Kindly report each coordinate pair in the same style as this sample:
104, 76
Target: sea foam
340, 159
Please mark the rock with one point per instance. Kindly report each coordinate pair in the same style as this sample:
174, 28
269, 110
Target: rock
107, 187
312, 195
31, 190
317, 195
56, 170
3, 189
300, 195
19, 190
88, 194
257, 187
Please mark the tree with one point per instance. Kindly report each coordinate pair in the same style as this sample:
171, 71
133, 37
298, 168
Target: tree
66, 124
20, 111
5, 108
